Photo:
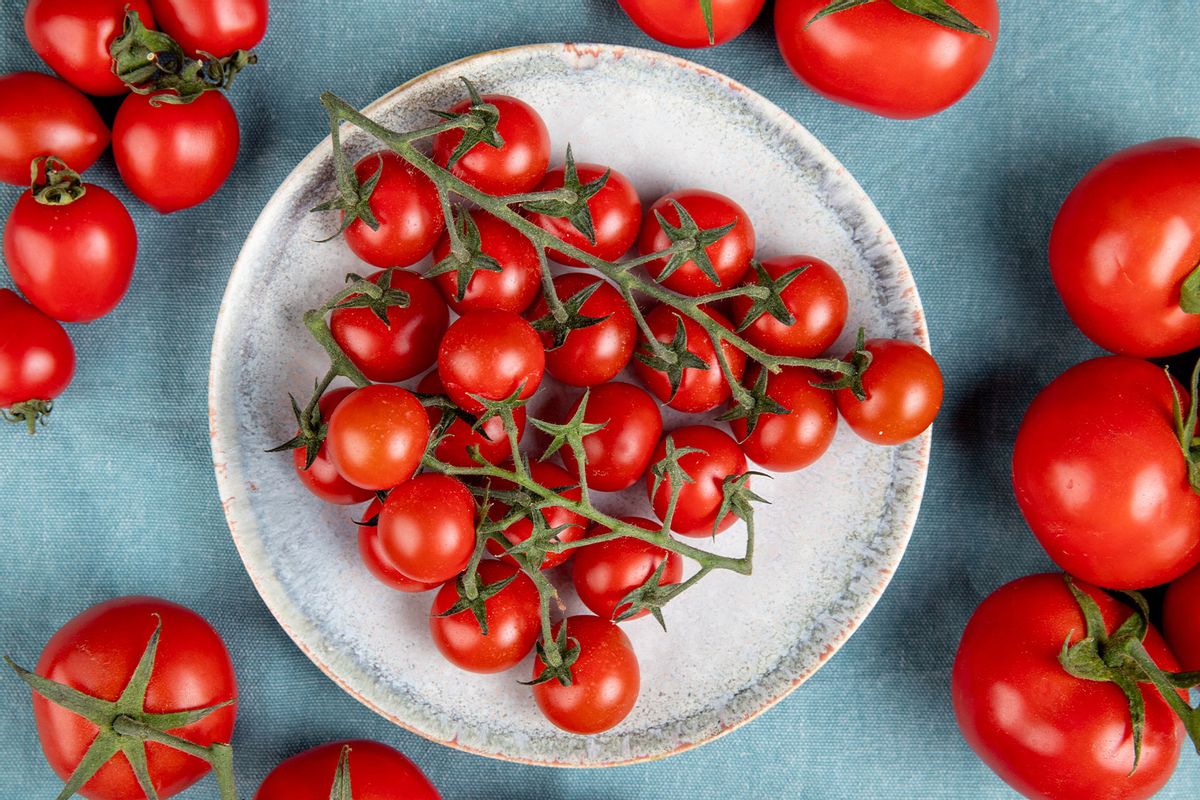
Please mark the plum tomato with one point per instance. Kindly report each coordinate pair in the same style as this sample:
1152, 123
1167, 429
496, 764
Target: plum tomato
700, 388
492, 354
455, 446
605, 678
606, 572
406, 207
37, 359
467, 287
550, 476
815, 298
511, 612
616, 215
796, 439
73, 36
43, 116
218, 27
717, 457
517, 166
427, 527
589, 355
1181, 619
681, 23
904, 389
618, 454
321, 477
374, 771
370, 548
377, 436
729, 255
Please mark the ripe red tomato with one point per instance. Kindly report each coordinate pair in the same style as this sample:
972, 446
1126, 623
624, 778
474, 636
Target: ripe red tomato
43, 116
491, 438
370, 548
218, 27
792, 441
730, 255
427, 527
616, 215
618, 454
407, 345
406, 206
73, 36
550, 476
513, 622
719, 458
75, 261
1101, 479
512, 288
816, 298
606, 572
700, 389
681, 23
1181, 619
321, 477
596, 353
155, 145
884, 60
37, 359
1124, 242
1045, 732
377, 772
96, 653
515, 167
491, 354
377, 436
904, 393
605, 680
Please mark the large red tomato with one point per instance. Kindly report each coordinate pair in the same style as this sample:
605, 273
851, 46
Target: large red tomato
717, 457
517, 166
618, 454
43, 116
406, 208
427, 527
512, 615
596, 353
796, 439
375, 772
492, 354
370, 548
729, 255
616, 215
681, 23
605, 680
701, 388
550, 476
37, 359
511, 289
217, 27
606, 572
904, 392
73, 36
816, 299
455, 447
377, 436
1181, 619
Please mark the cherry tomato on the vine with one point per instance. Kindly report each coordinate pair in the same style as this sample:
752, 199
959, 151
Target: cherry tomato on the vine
43, 116
605, 680
604, 573
512, 288
218, 27
700, 389
377, 436
515, 167
512, 615
593, 354
904, 393
491, 354
406, 207
730, 255
1181, 619
718, 458
37, 359
370, 548
427, 527
795, 440
376, 772
681, 23
73, 36
455, 446
616, 215
321, 477
619, 453
816, 299
551, 476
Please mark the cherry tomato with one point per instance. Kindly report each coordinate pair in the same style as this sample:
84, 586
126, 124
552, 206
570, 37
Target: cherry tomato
884, 60
817, 300
605, 680
596, 353
155, 145
427, 527
377, 436
616, 215
719, 457
321, 477
795, 440
1101, 479
406, 206
1045, 732
1124, 242
370, 548
73, 36
513, 622
604, 573
377, 772
700, 389
681, 23
618, 454
218, 27
491, 354
904, 393
551, 476
407, 345
37, 359
455, 446
515, 167
512, 288
1181, 619
43, 116
730, 255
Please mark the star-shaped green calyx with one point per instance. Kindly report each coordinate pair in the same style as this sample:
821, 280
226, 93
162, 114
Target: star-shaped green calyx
468, 258
672, 359
772, 303
478, 124
860, 361
312, 430
693, 242
378, 305
575, 318
570, 433
575, 209
477, 605
353, 200
754, 404
564, 650
738, 499
938, 11
650, 596
669, 469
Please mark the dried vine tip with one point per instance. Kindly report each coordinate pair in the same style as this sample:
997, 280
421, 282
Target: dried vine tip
938, 11
31, 413
53, 183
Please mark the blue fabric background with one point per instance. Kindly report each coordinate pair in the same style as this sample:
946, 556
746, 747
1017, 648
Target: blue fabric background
118, 497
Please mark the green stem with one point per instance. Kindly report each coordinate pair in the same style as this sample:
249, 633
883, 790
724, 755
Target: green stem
219, 756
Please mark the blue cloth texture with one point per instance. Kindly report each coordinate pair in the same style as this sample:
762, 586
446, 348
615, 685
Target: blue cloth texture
118, 497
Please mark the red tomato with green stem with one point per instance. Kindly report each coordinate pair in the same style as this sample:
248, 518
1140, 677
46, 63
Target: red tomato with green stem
404, 203
73, 37
511, 612
606, 572
682, 23
814, 301
377, 436
716, 457
1181, 619
595, 353
321, 476
549, 476
370, 548
798, 438
472, 288
904, 391
37, 360
701, 385
515, 167
616, 215
455, 447
492, 354
706, 213
427, 527
42, 116
618, 454
605, 679
218, 27
373, 770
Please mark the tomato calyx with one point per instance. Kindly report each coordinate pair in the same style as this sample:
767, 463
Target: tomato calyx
707, 11
938, 11
29, 413
312, 429
558, 657
1185, 426
477, 604
353, 200
771, 300
572, 317
466, 256
340, 790
650, 596
753, 404
570, 433
860, 360
377, 304
53, 183
737, 498
692, 242
672, 359
573, 207
1189, 293
478, 124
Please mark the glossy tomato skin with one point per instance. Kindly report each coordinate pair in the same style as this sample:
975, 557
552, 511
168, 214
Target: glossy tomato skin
73, 37
730, 255
595, 354
321, 477
218, 27
513, 620
880, 59
904, 393
699, 502
377, 436
618, 454
511, 289
455, 447
406, 206
616, 215
1100, 477
550, 476
155, 145
816, 298
43, 116
514, 168
701, 389
604, 573
427, 527
37, 359
1126, 238
73, 262
97, 652
1043, 731
680, 23
793, 441
370, 548
407, 345
377, 772
605, 681
1181, 619
491, 354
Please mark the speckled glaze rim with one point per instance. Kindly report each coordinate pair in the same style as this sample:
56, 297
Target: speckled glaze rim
899, 518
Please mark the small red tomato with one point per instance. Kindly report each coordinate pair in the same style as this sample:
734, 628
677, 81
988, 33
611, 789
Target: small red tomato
218, 27
730, 254
904, 393
511, 289
719, 457
491, 354
43, 116
616, 215
517, 166
321, 477
155, 146
816, 299
377, 436
681, 23
513, 621
604, 573
73, 36
551, 476
594, 354
618, 454
795, 440
1181, 619
407, 345
406, 206
699, 389
427, 527
455, 446
370, 548
375, 772
605, 680
37, 359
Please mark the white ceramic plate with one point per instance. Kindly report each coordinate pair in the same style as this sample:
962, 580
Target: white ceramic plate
827, 545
